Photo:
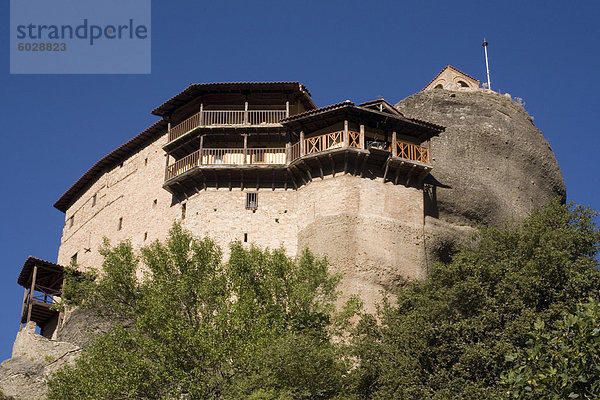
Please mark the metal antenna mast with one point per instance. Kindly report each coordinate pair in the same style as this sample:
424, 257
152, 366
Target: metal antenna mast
487, 65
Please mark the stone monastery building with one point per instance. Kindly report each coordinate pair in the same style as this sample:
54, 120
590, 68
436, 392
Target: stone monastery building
260, 163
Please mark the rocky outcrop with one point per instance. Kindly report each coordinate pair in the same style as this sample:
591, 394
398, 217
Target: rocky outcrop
491, 165
34, 358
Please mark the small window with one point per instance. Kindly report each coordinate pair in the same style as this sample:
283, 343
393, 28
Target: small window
439, 86
94, 198
245, 237
154, 203
121, 165
146, 161
71, 221
120, 224
145, 236
251, 201
183, 209
463, 84
74, 259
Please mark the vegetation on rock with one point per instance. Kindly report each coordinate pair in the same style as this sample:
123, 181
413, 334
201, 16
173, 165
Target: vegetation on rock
449, 335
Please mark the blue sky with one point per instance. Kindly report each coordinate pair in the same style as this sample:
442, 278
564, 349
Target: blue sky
57, 126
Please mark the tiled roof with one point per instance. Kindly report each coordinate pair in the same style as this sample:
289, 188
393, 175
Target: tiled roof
108, 161
343, 104
24, 278
196, 88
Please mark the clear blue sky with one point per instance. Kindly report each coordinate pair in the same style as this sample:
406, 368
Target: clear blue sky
57, 126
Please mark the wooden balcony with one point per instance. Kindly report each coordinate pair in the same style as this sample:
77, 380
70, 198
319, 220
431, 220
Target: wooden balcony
227, 157
308, 153
224, 118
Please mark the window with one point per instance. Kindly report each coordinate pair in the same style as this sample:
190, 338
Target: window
154, 203
463, 84
245, 237
145, 236
94, 198
251, 201
74, 259
71, 221
120, 224
439, 86
146, 161
183, 209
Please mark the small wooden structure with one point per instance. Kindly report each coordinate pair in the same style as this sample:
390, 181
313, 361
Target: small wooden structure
42, 281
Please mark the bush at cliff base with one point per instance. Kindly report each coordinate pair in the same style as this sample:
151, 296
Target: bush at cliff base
455, 334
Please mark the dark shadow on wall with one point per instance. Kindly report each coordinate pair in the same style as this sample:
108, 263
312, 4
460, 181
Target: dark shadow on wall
430, 202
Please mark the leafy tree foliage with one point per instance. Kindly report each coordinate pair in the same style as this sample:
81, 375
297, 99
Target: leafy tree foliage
560, 363
189, 326
448, 336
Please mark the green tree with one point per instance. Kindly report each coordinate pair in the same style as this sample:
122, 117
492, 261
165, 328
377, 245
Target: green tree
560, 363
189, 326
447, 336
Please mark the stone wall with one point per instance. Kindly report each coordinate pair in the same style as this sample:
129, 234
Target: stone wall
371, 231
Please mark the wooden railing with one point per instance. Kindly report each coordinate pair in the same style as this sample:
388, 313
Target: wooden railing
265, 117
294, 151
283, 156
189, 124
412, 152
227, 156
180, 166
222, 117
227, 117
328, 141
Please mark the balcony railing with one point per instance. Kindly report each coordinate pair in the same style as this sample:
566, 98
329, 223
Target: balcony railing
331, 141
227, 156
227, 118
284, 156
412, 152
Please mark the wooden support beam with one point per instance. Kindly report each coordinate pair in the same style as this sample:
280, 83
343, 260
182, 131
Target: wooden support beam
299, 173
358, 157
320, 167
22, 310
364, 163
245, 147
397, 174
33, 278
362, 136
346, 163
287, 108
394, 148
242, 179
293, 178
246, 113
308, 169
287, 152
346, 139
302, 149
387, 166
409, 175
273, 180
332, 164
201, 120
229, 178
